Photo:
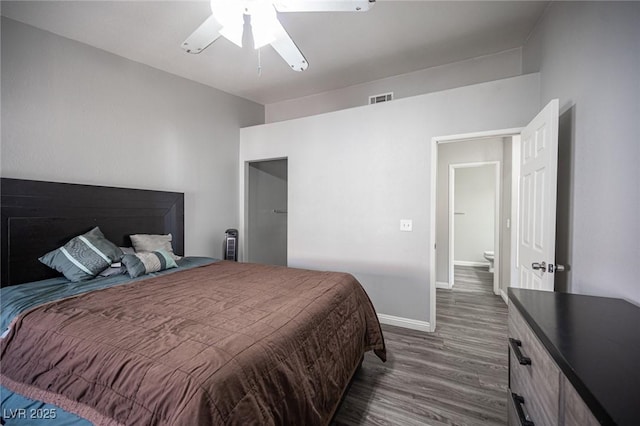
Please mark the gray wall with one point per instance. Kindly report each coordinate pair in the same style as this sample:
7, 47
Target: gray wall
266, 229
353, 174
457, 153
474, 221
477, 70
73, 113
588, 55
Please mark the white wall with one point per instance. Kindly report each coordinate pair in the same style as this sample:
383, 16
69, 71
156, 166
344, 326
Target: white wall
353, 174
73, 113
477, 70
588, 55
474, 151
474, 219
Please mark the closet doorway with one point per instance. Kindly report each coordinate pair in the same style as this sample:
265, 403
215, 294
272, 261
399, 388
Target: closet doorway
267, 205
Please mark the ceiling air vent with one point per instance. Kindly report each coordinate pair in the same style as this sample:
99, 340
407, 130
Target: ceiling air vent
376, 99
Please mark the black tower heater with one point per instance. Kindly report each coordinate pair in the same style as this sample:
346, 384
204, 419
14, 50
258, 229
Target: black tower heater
230, 246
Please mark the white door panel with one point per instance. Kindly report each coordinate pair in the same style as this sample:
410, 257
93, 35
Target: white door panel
537, 205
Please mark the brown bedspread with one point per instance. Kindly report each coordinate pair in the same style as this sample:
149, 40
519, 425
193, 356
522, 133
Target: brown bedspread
226, 343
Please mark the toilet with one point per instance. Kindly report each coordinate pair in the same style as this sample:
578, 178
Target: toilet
489, 255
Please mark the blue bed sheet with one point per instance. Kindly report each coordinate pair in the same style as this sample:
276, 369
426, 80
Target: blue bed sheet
18, 298
20, 411
15, 408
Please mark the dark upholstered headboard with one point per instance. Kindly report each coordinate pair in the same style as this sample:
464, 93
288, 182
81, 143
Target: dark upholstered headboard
38, 217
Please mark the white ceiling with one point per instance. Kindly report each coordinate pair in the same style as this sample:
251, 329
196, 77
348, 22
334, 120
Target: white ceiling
343, 49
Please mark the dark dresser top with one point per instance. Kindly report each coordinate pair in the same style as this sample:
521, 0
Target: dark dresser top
596, 343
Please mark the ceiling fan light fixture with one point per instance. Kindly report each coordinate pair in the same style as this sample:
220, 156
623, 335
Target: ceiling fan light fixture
228, 19
264, 24
229, 15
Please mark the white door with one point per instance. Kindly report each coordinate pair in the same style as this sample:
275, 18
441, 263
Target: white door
537, 204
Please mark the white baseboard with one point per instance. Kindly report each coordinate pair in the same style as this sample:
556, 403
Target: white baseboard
504, 296
444, 284
469, 263
405, 322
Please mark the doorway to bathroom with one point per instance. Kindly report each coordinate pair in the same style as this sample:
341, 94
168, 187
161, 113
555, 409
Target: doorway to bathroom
474, 225
460, 157
451, 157
266, 214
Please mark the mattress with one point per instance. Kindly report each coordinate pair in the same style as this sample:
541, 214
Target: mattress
223, 343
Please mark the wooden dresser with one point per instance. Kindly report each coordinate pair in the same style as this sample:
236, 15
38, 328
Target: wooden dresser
573, 360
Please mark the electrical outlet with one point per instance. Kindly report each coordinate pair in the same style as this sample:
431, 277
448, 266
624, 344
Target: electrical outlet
406, 225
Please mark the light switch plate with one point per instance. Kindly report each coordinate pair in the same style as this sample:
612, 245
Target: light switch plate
406, 225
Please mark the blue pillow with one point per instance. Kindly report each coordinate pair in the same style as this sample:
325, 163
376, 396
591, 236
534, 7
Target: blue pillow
84, 256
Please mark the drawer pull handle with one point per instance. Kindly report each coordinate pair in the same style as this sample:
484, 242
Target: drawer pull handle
518, 401
515, 347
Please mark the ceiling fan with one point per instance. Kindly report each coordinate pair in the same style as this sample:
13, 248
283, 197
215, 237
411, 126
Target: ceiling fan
228, 19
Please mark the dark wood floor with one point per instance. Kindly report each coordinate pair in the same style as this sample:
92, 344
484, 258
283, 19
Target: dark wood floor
455, 376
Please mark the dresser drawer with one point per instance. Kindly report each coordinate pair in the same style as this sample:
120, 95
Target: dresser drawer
538, 382
575, 412
516, 410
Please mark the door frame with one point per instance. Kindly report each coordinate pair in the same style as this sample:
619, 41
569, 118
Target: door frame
435, 141
497, 218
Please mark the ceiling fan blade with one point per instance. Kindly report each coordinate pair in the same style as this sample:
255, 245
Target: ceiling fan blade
203, 36
288, 50
323, 5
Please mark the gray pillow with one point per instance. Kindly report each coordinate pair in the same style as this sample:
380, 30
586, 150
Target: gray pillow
128, 250
152, 242
84, 256
144, 263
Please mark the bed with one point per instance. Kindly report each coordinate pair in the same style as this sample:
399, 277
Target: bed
208, 342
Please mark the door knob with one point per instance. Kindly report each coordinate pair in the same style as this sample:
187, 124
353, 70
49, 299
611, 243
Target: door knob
539, 266
556, 268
